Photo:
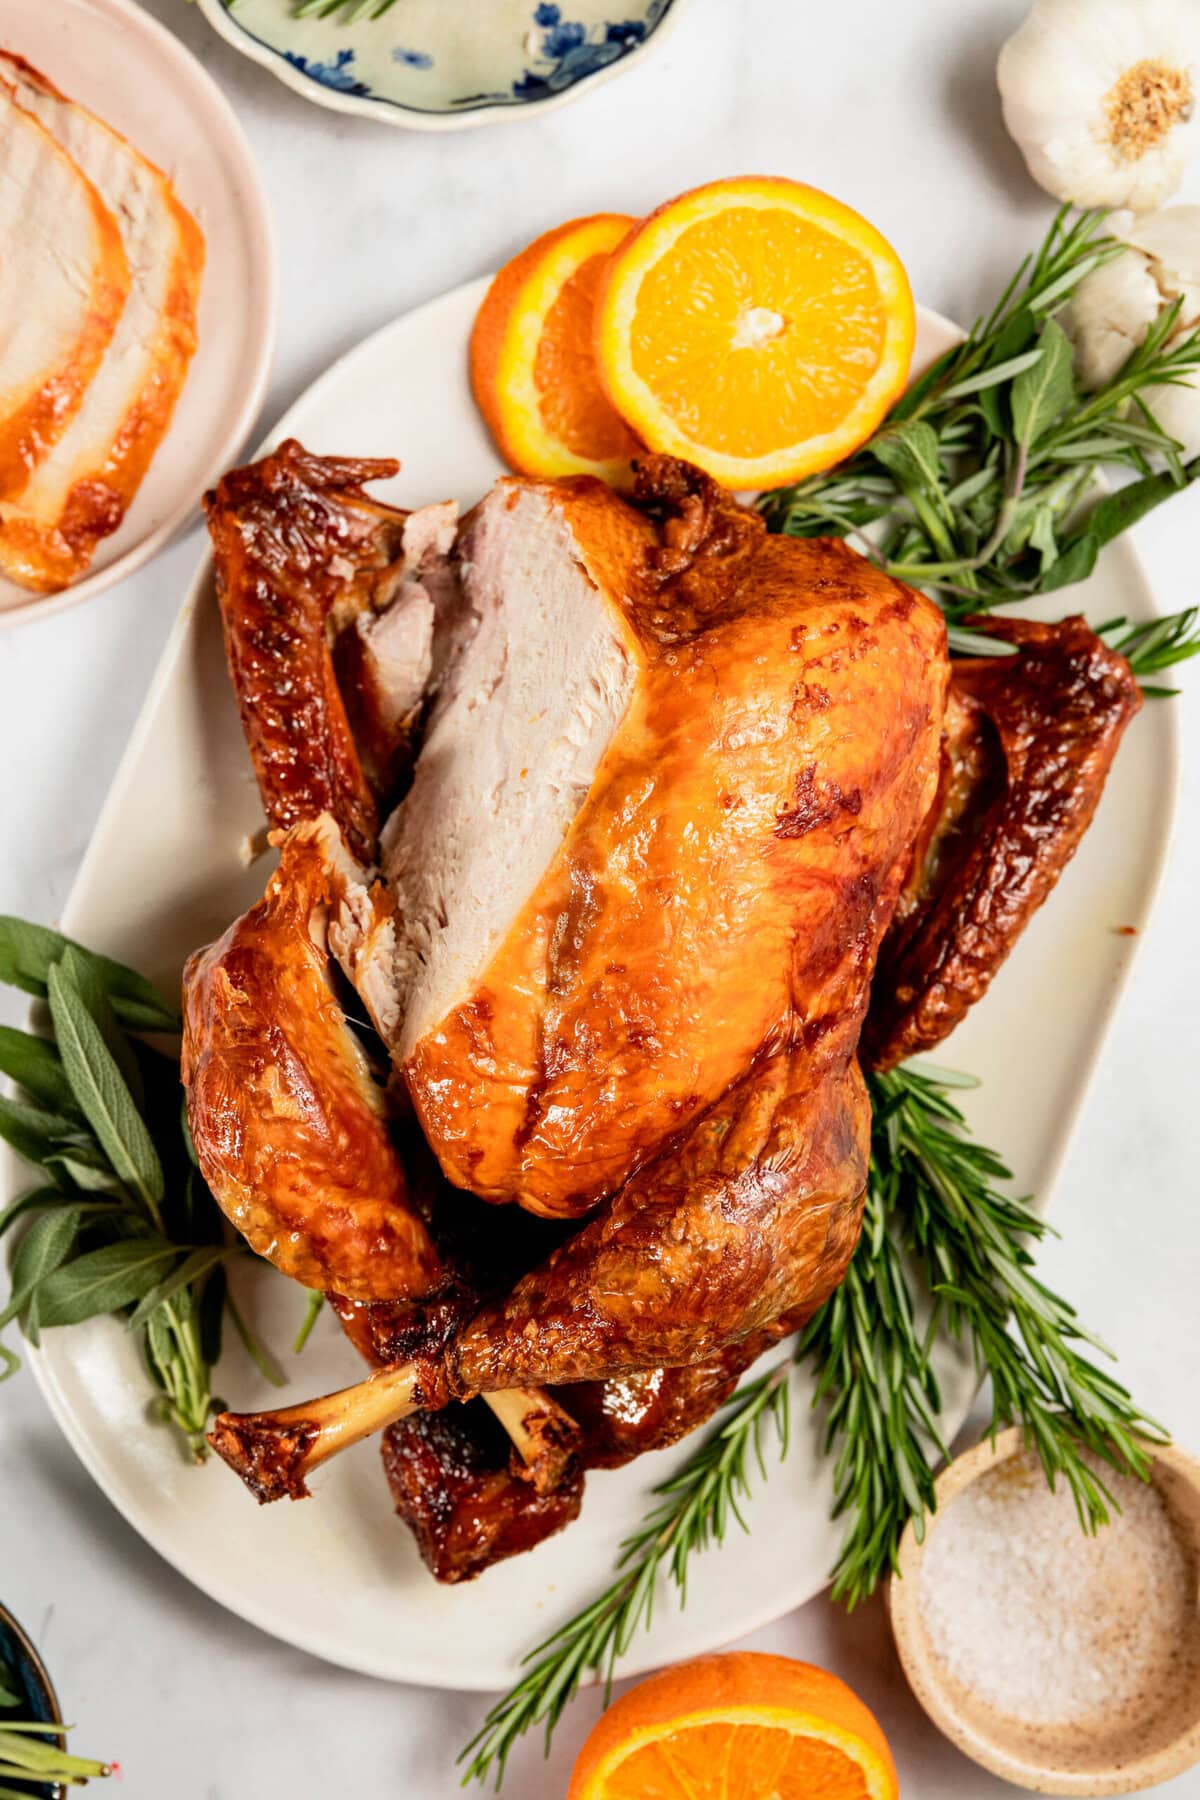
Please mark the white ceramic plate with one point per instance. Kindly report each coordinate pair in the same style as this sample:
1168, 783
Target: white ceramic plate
113, 57
337, 1574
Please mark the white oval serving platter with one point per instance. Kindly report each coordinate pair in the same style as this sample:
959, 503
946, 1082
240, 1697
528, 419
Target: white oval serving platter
338, 1575
111, 56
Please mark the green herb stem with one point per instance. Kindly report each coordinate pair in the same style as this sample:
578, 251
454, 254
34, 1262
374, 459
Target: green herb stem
312, 1313
33, 1751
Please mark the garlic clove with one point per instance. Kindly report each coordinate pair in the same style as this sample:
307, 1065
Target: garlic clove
1112, 309
1109, 315
1170, 236
1177, 410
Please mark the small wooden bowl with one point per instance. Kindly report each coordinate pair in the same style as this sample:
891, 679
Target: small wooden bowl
18, 1652
1056, 1759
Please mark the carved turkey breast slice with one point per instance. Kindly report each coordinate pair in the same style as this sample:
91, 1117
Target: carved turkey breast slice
79, 492
63, 283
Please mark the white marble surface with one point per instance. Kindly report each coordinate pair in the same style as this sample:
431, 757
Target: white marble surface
893, 108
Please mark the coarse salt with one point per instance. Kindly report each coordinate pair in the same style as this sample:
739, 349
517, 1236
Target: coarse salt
1044, 1622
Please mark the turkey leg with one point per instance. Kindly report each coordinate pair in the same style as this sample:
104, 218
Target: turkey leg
754, 1216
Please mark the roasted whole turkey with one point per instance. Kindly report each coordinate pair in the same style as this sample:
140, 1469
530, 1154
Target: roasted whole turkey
601, 812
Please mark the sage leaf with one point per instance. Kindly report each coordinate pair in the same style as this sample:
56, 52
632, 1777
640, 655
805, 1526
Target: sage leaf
82, 974
194, 1267
102, 1095
104, 1280
37, 1199
85, 1166
1075, 563
1044, 391
47, 1244
910, 452
986, 378
28, 952
36, 1133
1042, 536
35, 1065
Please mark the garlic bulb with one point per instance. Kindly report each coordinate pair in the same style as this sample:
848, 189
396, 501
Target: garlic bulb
1103, 97
1112, 309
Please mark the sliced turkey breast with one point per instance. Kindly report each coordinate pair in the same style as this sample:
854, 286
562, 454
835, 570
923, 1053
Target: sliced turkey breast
668, 775
386, 661
645, 805
79, 492
516, 735
63, 282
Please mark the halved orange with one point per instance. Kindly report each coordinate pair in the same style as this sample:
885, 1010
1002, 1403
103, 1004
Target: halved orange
757, 327
533, 366
737, 1727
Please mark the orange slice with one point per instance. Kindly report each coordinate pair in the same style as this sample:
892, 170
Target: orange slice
756, 327
737, 1727
533, 366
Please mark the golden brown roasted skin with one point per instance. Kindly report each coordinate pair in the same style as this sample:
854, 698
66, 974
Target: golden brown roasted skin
748, 1223
753, 1215
299, 550
287, 1122
775, 761
452, 1483
651, 1409
1029, 742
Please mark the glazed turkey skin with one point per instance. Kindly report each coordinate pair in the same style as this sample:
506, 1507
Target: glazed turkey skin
662, 807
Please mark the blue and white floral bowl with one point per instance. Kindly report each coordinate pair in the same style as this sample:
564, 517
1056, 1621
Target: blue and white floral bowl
441, 65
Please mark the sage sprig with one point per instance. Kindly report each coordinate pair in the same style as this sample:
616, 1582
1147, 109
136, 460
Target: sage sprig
120, 1220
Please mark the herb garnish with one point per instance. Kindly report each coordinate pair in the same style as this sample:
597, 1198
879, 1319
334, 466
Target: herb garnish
122, 1220
351, 10
934, 1210
979, 487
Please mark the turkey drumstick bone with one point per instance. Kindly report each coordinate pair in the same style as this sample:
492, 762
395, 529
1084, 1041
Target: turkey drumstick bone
753, 1217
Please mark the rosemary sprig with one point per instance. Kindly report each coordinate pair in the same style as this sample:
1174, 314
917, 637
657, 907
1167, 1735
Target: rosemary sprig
935, 1220
34, 1753
351, 10
1152, 646
1156, 645
694, 1510
979, 487
934, 1207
